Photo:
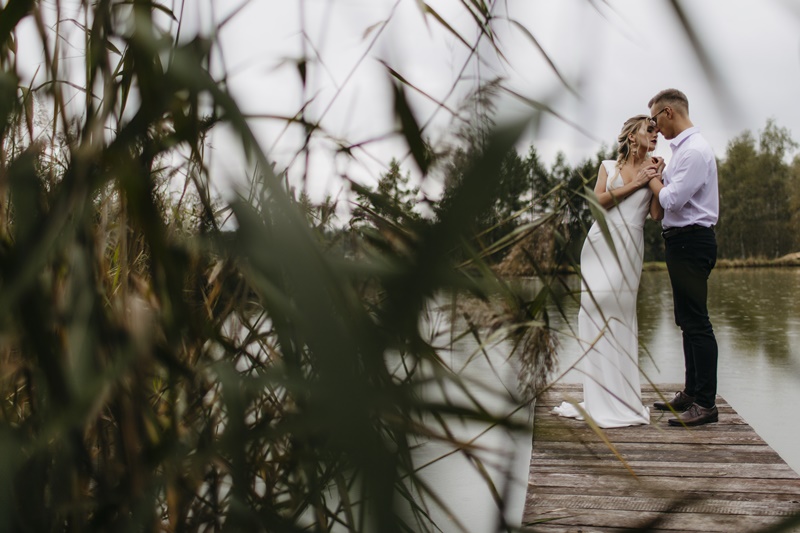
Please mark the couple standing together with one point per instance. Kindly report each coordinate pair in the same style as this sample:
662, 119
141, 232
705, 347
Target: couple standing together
684, 196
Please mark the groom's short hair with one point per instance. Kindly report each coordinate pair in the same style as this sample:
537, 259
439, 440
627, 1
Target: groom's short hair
671, 97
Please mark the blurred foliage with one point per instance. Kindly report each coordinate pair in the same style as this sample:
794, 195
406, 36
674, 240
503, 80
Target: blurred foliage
160, 374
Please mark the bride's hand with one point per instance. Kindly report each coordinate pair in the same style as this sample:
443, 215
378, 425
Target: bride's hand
655, 168
645, 174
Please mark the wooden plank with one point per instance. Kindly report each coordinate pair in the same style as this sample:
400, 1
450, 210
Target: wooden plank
648, 468
684, 453
693, 505
643, 434
554, 528
636, 492
716, 477
733, 422
667, 521
666, 484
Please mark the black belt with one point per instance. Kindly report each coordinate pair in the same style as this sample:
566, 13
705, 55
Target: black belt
671, 232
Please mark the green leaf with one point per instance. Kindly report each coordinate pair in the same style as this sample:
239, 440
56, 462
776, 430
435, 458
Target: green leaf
411, 130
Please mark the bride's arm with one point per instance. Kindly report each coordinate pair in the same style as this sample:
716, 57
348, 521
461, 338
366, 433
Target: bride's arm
600, 186
656, 211
655, 184
608, 198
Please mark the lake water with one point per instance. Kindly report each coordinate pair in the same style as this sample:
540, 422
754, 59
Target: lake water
756, 317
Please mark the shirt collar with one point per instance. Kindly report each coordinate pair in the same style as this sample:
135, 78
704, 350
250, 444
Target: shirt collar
685, 134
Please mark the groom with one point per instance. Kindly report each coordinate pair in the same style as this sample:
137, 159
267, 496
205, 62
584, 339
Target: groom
690, 198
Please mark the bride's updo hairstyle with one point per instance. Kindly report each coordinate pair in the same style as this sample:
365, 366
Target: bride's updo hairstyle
624, 145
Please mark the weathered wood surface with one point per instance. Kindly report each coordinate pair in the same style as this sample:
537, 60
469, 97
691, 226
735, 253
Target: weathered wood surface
717, 477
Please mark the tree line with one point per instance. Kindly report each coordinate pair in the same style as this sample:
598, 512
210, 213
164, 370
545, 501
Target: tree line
759, 198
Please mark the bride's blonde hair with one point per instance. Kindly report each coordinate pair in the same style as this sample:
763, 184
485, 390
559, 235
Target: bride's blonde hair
624, 146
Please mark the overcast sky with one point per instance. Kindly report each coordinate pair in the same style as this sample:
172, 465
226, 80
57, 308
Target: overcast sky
615, 54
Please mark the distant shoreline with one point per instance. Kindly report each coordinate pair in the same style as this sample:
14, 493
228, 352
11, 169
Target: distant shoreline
791, 260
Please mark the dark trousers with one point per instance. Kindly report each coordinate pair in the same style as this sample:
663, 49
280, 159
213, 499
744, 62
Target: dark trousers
690, 258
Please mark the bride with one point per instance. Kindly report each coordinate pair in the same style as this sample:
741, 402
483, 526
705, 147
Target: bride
607, 324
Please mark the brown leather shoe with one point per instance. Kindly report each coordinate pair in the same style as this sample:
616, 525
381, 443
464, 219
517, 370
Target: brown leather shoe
696, 415
679, 403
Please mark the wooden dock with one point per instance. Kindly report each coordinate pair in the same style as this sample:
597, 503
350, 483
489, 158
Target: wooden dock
717, 477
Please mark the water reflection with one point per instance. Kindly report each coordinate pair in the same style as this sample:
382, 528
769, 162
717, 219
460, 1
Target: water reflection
458, 474
759, 309
756, 311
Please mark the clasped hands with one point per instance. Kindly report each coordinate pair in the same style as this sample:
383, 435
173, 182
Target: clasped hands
650, 171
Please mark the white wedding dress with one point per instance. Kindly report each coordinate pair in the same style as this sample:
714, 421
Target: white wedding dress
607, 324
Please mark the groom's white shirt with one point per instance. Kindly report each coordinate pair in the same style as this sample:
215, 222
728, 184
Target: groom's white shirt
691, 192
